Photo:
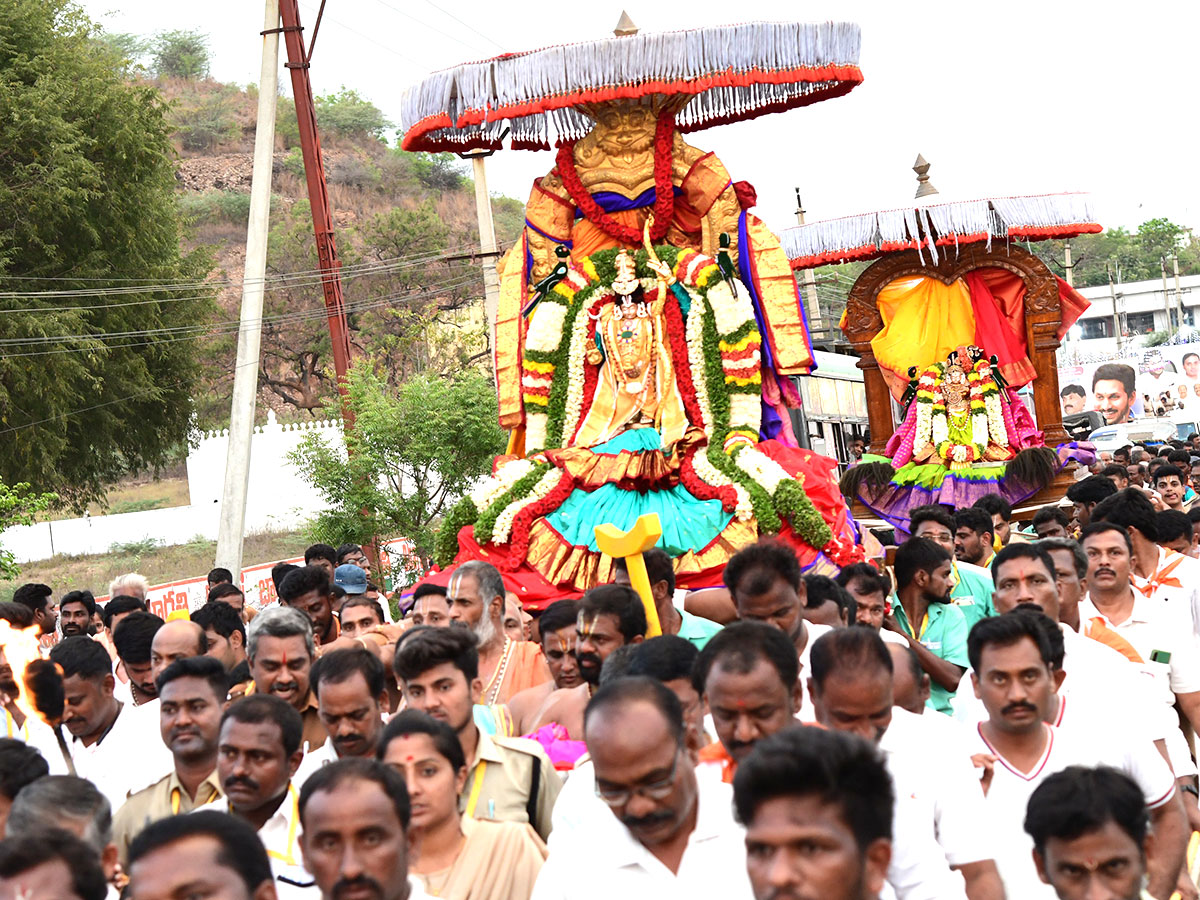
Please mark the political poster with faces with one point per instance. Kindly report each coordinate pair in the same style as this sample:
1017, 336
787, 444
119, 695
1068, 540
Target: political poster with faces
1161, 382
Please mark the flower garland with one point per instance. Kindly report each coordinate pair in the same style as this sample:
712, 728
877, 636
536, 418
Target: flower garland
505, 477
577, 373
548, 479
463, 514
748, 483
664, 190
997, 426
522, 525
485, 524
928, 392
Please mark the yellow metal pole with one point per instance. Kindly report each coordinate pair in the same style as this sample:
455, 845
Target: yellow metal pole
630, 545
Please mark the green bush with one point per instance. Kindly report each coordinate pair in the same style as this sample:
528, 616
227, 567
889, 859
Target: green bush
180, 54
293, 163
286, 127
135, 548
207, 121
440, 171
348, 114
215, 206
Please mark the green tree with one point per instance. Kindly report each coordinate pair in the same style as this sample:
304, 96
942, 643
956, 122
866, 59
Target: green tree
349, 114
92, 385
181, 54
413, 453
18, 506
129, 48
1133, 256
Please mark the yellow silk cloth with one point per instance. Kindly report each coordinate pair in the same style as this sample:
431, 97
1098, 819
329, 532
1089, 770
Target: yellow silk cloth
614, 408
924, 319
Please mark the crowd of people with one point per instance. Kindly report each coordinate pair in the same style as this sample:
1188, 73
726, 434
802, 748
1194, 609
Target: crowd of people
985, 712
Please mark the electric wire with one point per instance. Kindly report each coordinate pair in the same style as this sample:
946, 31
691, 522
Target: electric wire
285, 279
467, 25
99, 341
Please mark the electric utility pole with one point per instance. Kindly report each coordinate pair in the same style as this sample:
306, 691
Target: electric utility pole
245, 376
810, 277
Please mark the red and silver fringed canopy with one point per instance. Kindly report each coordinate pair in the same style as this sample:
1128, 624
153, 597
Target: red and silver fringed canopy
927, 228
736, 72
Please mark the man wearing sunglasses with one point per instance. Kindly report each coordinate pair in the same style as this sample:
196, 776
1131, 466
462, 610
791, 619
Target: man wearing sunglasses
670, 834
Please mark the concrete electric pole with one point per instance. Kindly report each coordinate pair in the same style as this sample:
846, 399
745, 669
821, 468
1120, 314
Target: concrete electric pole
245, 377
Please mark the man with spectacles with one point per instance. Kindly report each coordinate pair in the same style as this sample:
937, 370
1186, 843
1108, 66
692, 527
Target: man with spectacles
669, 834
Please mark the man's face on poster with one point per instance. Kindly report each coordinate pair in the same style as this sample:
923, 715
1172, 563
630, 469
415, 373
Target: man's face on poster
1112, 401
1191, 366
1072, 403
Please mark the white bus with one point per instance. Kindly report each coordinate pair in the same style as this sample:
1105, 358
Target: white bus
834, 406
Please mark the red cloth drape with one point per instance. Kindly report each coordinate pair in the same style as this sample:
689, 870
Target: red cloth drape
998, 300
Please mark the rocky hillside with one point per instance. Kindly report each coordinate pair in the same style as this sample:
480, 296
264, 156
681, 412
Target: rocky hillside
389, 208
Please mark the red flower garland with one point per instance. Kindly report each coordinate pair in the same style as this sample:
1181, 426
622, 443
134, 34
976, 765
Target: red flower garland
677, 341
591, 374
701, 489
664, 191
523, 521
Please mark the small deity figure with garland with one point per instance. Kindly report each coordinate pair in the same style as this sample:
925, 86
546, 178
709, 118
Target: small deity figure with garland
961, 418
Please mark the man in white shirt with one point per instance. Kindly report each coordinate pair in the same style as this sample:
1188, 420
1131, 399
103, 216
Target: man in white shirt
670, 834
207, 854
115, 746
351, 699
1159, 633
765, 584
1155, 571
1096, 677
808, 788
356, 816
258, 752
747, 676
939, 849
1090, 834
1014, 676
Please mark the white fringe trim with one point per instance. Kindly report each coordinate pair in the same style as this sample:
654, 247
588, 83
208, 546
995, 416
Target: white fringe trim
673, 56
995, 218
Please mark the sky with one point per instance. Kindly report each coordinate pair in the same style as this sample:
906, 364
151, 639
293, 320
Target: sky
1013, 98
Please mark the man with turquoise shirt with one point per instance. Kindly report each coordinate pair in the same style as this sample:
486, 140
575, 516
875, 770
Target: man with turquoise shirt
673, 620
921, 613
971, 589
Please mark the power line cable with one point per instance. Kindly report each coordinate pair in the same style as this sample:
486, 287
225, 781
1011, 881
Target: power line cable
433, 28
284, 279
191, 332
467, 25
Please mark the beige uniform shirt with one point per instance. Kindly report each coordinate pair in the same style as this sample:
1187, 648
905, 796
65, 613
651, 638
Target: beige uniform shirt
501, 779
161, 800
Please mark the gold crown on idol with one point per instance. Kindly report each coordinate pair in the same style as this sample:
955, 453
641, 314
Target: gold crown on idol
626, 281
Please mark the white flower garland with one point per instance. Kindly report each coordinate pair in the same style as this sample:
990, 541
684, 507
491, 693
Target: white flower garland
708, 473
764, 470
995, 419
506, 476
573, 406
535, 429
504, 521
979, 426
546, 325
940, 428
730, 312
